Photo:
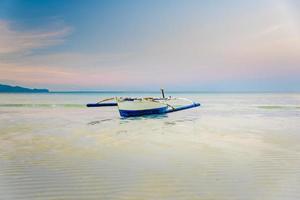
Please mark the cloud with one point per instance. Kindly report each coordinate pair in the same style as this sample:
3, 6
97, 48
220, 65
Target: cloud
13, 41
43, 75
70, 71
75, 60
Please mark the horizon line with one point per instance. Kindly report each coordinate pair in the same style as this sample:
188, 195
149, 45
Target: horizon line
171, 91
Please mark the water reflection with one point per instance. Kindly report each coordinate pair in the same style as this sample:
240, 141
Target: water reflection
146, 117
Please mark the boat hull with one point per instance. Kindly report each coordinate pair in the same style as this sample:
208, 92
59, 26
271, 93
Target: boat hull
134, 113
140, 107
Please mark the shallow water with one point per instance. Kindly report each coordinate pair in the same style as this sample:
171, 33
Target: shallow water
235, 146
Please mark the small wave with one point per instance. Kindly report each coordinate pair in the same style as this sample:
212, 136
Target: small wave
99, 121
44, 105
279, 107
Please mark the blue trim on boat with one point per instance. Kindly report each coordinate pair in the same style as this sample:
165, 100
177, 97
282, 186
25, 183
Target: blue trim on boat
162, 110
134, 113
101, 104
183, 107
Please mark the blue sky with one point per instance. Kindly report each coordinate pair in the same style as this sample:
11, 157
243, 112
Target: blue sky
144, 45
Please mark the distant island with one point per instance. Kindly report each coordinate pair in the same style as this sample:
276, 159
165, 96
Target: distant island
18, 89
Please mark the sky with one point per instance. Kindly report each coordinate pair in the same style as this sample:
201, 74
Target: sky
208, 45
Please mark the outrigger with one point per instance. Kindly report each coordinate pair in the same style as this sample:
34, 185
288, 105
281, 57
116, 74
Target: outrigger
132, 107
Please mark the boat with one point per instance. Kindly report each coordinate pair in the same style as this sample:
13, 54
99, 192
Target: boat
132, 107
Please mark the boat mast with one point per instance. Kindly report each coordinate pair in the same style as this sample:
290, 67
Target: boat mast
162, 92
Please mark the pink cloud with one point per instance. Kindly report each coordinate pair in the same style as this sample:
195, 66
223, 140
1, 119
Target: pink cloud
12, 41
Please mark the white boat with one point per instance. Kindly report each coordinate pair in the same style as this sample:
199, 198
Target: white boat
131, 107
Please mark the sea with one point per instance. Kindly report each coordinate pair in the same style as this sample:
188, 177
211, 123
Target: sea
235, 146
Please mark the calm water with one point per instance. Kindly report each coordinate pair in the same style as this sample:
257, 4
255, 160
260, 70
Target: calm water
236, 146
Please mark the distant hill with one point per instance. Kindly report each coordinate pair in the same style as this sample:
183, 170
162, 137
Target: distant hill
18, 89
